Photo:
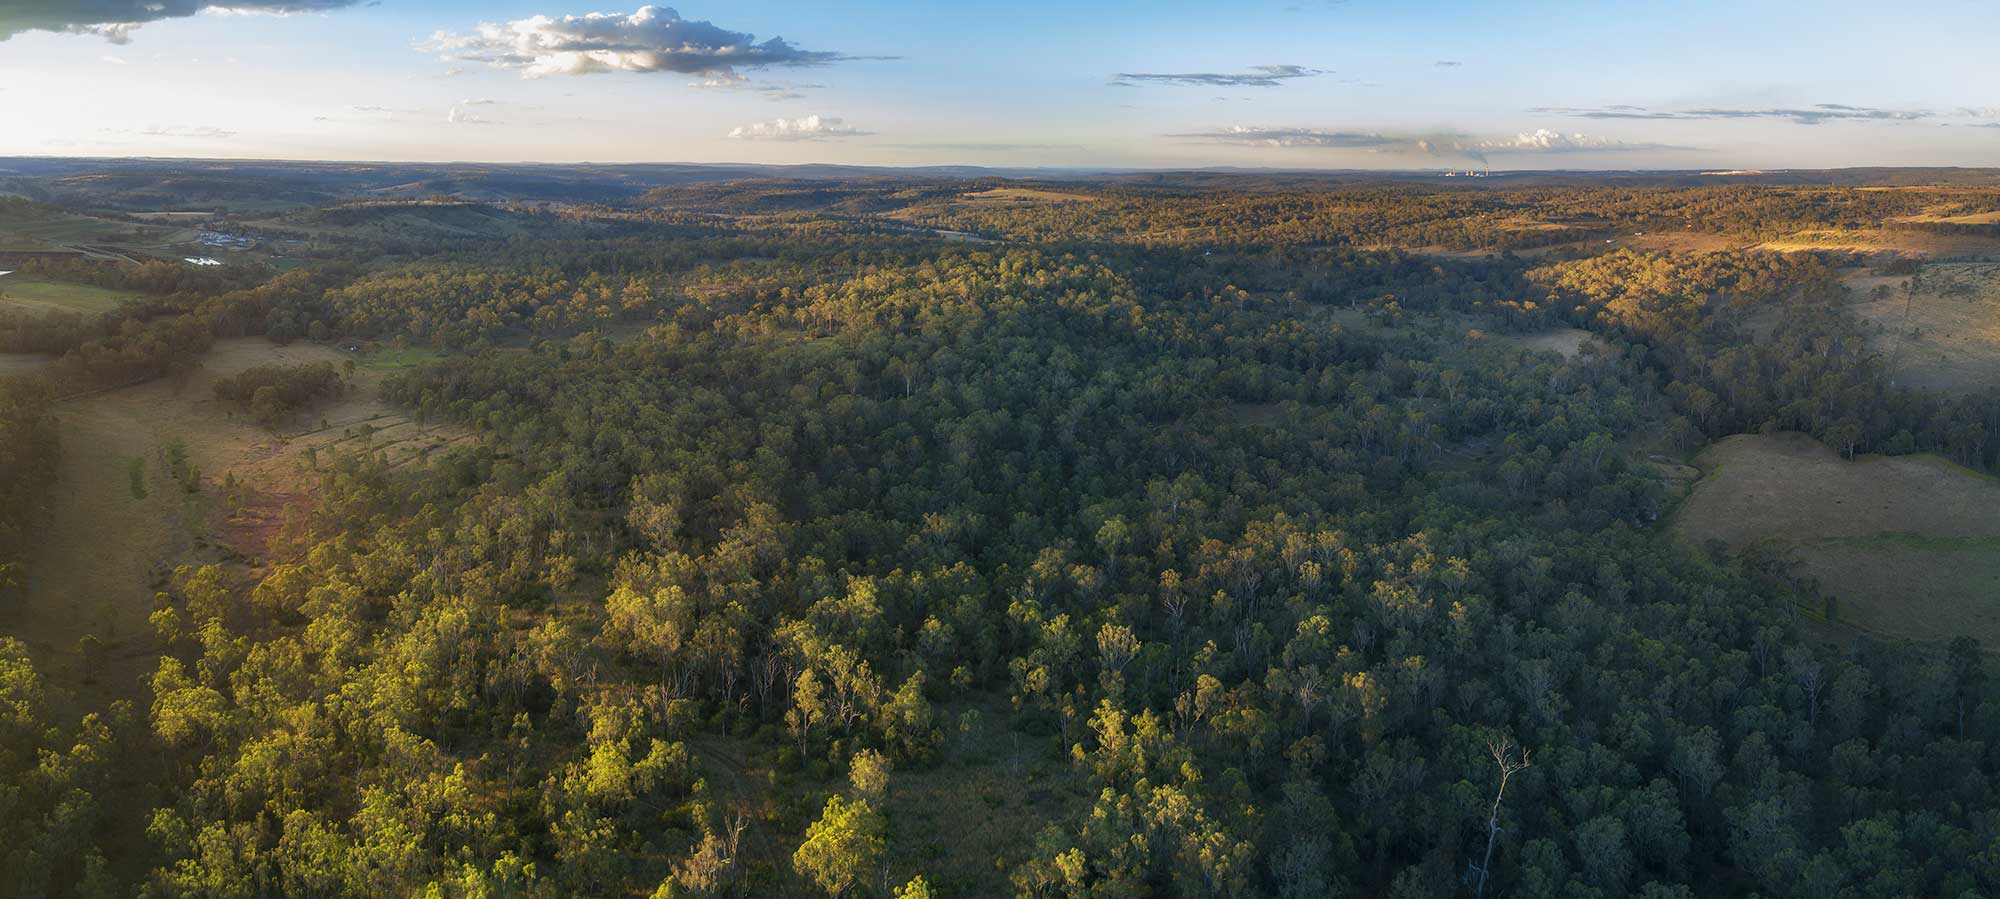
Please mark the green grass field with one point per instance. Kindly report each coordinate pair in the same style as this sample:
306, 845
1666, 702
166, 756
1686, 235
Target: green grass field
390, 359
33, 295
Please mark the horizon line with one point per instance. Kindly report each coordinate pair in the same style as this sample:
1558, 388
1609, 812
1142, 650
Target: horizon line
1485, 172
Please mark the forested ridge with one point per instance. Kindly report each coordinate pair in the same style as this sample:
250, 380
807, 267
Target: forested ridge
1286, 555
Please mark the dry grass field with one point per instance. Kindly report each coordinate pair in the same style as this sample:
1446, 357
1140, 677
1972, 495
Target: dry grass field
1027, 195
1598, 241
36, 295
1870, 240
1684, 241
107, 550
1945, 336
43, 229
1977, 218
1909, 545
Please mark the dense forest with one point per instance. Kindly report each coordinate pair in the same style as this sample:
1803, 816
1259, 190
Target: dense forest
1310, 577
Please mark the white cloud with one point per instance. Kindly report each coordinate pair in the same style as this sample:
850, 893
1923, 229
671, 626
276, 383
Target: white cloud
654, 39
810, 127
1542, 140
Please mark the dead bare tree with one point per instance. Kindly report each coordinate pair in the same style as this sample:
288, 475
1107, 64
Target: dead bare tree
1503, 757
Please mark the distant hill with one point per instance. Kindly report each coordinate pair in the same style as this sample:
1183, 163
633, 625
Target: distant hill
268, 186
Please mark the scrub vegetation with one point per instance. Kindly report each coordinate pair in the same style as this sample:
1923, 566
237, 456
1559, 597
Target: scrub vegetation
898, 537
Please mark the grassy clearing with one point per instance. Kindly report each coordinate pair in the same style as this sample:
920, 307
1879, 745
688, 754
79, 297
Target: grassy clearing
107, 550
1027, 195
1910, 546
392, 360
21, 364
34, 295
104, 552
1944, 336
36, 229
966, 822
1565, 342
963, 821
1679, 242
1977, 218
1870, 240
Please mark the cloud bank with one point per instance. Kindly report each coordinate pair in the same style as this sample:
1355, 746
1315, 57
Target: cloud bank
654, 39
1258, 76
1810, 115
1440, 145
812, 127
114, 20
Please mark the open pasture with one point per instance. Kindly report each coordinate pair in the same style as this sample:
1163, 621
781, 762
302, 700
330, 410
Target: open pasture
1871, 240
1909, 546
109, 546
36, 295
1027, 195
1940, 331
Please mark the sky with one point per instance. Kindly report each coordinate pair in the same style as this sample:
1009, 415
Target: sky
1402, 84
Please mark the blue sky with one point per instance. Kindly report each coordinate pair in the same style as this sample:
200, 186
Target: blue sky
1291, 83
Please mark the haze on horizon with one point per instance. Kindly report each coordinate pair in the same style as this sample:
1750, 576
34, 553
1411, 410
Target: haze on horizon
1563, 84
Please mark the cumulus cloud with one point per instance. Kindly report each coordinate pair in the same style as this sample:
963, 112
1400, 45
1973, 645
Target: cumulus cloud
1447, 63
654, 39
462, 116
812, 127
115, 20
1542, 140
1258, 76
1440, 145
1809, 115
